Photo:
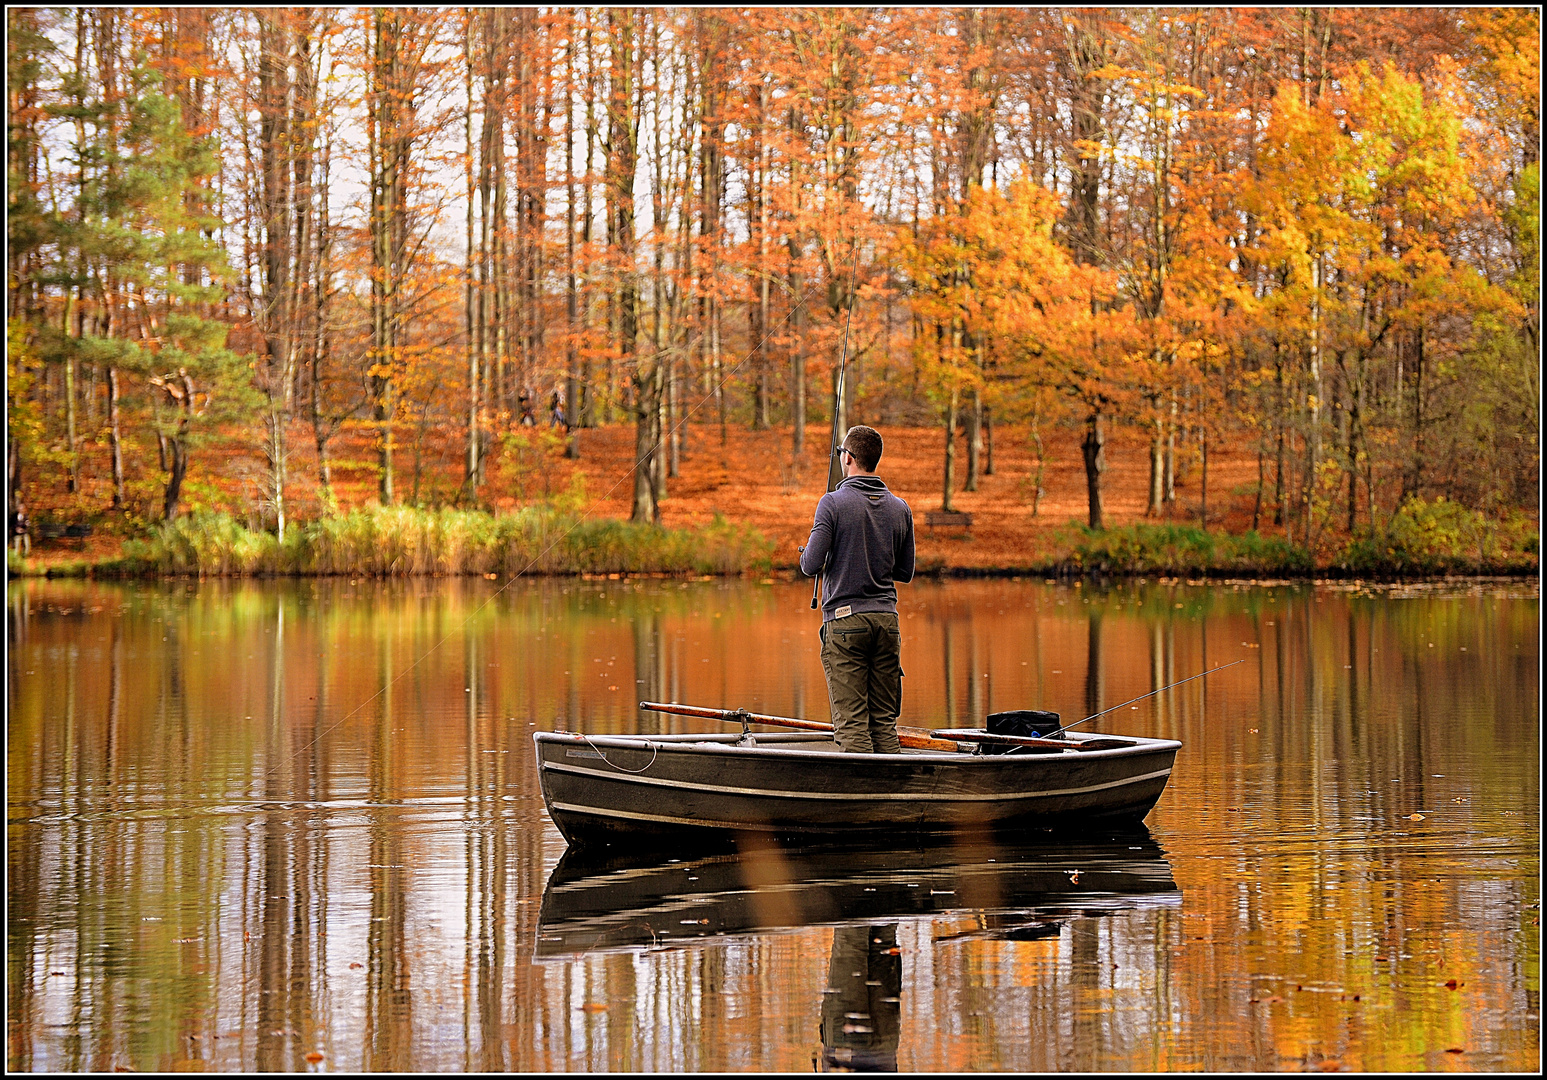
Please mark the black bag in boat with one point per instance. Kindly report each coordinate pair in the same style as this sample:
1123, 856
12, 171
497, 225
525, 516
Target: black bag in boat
1024, 723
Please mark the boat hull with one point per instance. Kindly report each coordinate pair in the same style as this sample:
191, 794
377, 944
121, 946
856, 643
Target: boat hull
604, 789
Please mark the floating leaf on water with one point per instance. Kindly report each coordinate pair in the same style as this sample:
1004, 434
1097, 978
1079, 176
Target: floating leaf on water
1414, 817
314, 1057
1454, 1050
1452, 984
593, 1007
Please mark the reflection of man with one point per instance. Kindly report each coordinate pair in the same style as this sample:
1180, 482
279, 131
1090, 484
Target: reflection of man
868, 532
861, 1009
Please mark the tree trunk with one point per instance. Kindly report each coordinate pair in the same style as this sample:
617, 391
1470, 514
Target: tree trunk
1157, 492
71, 440
388, 152
1036, 490
950, 452
1086, 54
470, 476
585, 409
797, 318
797, 360
1203, 445
1170, 457
115, 438
571, 279
988, 442
177, 468
974, 438
1262, 480
1413, 488
1094, 449
622, 160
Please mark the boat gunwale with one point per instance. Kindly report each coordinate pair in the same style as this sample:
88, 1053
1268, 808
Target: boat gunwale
725, 744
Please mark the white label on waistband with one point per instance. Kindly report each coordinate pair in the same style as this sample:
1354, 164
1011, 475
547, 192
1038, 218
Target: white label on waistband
843, 612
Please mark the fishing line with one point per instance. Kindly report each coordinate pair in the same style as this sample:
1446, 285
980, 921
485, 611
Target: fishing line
707, 396
1141, 697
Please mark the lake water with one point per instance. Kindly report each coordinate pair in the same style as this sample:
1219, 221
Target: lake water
296, 826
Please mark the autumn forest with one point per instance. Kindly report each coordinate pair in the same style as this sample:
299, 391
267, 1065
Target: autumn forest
252, 246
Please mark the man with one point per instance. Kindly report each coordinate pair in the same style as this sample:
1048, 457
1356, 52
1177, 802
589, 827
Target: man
868, 534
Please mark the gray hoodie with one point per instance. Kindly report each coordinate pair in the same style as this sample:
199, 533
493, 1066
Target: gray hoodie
869, 533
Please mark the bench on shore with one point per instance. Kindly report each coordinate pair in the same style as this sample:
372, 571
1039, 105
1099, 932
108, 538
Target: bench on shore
54, 530
947, 519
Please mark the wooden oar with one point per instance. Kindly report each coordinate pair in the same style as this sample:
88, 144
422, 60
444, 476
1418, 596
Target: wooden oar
913, 738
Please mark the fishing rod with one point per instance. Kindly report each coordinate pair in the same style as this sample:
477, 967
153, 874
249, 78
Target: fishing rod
1141, 697
834, 470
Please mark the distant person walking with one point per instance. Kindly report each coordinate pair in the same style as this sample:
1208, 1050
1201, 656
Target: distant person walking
21, 528
863, 535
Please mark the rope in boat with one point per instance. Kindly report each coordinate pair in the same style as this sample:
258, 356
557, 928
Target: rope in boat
653, 751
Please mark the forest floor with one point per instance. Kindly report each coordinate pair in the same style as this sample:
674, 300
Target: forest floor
752, 477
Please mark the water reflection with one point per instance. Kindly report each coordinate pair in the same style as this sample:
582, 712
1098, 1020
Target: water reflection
861, 1004
252, 823
596, 903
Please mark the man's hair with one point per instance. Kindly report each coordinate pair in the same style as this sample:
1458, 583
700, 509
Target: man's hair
865, 444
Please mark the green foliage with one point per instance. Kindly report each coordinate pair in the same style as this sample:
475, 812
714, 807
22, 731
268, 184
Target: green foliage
528, 455
1439, 536
24, 416
1523, 218
1184, 549
387, 541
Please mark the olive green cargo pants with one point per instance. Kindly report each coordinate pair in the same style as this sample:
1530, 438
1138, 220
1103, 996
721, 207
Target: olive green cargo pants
861, 656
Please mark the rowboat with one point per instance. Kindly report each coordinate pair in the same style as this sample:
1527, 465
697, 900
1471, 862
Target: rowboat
600, 903
635, 789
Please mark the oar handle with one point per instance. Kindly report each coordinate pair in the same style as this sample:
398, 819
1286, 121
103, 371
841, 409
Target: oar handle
734, 715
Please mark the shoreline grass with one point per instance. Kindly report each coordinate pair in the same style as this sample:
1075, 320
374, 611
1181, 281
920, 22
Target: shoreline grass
1423, 540
1185, 550
397, 541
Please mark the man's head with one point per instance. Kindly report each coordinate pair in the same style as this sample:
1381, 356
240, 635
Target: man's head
864, 445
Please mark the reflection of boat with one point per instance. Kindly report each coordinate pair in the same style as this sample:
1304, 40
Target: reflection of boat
630, 788
1018, 892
